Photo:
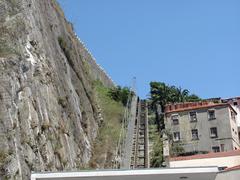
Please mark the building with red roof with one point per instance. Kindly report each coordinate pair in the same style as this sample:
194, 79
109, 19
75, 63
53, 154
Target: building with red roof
203, 127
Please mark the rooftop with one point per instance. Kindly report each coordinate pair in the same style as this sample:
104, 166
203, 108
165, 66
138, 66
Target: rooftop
199, 173
231, 98
233, 168
179, 107
206, 156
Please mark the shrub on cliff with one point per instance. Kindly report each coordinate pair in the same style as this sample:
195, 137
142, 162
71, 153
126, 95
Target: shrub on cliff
120, 94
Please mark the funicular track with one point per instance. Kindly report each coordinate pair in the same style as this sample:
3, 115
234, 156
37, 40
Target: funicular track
139, 156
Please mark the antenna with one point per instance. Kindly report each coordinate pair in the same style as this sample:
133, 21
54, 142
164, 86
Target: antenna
134, 85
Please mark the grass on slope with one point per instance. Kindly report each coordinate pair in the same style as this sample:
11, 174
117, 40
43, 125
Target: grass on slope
109, 131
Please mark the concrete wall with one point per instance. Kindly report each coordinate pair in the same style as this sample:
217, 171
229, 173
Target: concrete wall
234, 130
235, 102
236, 107
230, 161
223, 123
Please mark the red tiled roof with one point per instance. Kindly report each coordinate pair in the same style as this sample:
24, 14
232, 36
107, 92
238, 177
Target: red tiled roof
193, 106
233, 168
205, 156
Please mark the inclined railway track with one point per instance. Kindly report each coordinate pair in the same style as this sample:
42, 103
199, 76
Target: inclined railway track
139, 156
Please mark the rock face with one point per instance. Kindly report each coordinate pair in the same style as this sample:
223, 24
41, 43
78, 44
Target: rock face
49, 115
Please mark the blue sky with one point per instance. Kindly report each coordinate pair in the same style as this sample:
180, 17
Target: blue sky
188, 43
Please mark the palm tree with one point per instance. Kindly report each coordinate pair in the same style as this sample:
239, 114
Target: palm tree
183, 94
162, 94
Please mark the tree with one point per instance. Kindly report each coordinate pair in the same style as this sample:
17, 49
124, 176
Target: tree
180, 94
193, 98
162, 94
120, 94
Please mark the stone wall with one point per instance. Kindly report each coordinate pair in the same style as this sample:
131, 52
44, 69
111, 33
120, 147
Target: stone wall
49, 115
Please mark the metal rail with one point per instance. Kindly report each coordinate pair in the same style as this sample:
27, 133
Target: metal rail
125, 156
140, 154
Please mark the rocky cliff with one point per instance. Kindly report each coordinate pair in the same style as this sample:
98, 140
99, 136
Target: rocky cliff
49, 114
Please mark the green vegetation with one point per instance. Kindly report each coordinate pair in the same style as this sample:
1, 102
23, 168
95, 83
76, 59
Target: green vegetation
156, 144
120, 94
161, 95
109, 132
176, 149
157, 153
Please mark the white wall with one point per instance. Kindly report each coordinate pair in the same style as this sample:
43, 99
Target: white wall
229, 175
236, 108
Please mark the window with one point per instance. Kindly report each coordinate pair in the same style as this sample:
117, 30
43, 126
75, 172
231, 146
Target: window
222, 147
175, 119
211, 114
215, 149
193, 116
235, 103
233, 116
195, 134
213, 132
176, 136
